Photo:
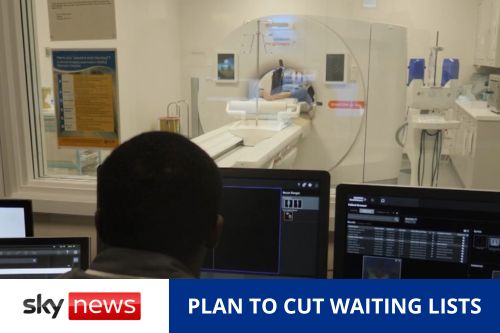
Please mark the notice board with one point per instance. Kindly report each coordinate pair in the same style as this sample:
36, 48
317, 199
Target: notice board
82, 19
86, 98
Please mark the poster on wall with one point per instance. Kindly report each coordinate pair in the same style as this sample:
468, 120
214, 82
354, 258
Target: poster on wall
82, 19
227, 67
86, 98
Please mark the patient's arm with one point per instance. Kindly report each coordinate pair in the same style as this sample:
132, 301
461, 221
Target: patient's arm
268, 97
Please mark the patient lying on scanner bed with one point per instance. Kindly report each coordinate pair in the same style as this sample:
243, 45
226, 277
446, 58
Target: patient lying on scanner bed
284, 84
300, 93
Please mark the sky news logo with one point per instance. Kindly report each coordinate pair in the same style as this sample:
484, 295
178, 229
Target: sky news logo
88, 306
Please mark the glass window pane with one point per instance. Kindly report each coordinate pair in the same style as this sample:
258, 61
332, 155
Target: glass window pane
297, 91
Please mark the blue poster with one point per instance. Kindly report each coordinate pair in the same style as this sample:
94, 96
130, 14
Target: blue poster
86, 98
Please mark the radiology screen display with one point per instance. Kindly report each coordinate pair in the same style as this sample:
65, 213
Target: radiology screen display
410, 237
271, 228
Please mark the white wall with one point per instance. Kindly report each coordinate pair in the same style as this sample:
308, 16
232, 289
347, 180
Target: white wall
148, 58
454, 19
52, 225
205, 23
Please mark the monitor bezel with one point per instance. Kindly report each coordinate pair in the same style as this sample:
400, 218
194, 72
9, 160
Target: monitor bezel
344, 190
28, 212
83, 242
323, 177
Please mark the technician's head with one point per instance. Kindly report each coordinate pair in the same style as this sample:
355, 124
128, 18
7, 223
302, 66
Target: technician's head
159, 192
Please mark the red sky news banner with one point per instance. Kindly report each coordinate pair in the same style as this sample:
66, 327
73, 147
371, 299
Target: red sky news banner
137, 306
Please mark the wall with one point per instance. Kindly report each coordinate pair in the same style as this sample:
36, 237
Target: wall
205, 23
454, 19
52, 225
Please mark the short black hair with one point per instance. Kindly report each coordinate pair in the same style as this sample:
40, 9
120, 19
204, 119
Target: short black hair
157, 192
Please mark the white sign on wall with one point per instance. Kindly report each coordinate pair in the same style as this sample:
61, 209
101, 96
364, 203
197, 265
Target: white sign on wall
82, 19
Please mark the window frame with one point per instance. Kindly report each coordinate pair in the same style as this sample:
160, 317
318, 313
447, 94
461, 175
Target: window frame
19, 118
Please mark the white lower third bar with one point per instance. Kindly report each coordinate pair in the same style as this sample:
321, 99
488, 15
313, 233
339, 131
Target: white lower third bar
34, 271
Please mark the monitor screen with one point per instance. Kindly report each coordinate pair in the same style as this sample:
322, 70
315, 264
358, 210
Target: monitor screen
335, 67
275, 224
41, 258
403, 232
226, 67
16, 218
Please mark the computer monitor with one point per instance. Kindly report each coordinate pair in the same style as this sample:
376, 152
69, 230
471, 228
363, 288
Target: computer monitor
336, 69
275, 224
406, 232
16, 218
40, 258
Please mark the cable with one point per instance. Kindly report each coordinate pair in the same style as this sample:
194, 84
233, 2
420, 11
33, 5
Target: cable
438, 143
435, 160
439, 140
436, 156
398, 135
439, 154
421, 160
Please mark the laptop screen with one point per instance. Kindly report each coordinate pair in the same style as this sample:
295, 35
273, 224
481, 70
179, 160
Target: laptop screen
41, 258
397, 232
275, 224
16, 218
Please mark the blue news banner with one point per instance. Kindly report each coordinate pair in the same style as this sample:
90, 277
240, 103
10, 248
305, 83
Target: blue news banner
353, 305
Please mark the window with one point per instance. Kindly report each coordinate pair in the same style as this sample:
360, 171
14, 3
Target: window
219, 68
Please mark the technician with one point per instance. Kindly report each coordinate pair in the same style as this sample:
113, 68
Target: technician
157, 209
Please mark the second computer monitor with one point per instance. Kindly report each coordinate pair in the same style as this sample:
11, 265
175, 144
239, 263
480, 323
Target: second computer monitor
16, 218
275, 224
405, 232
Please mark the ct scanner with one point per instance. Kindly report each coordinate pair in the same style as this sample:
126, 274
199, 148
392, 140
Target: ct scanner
348, 130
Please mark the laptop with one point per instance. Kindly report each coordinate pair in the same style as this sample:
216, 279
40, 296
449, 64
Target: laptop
42, 258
